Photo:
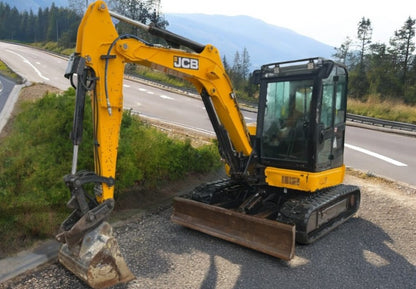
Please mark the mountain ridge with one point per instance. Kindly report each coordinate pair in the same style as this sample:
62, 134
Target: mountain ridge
265, 43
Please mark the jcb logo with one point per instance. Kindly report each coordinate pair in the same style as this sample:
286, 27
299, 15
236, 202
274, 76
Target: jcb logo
185, 62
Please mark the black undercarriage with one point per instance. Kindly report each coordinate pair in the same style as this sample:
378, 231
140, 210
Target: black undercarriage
314, 214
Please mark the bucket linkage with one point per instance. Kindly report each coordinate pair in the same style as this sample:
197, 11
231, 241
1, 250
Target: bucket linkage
89, 248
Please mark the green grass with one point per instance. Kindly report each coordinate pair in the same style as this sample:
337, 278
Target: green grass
160, 77
384, 109
7, 72
37, 153
53, 47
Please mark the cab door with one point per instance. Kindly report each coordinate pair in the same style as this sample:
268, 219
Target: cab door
332, 115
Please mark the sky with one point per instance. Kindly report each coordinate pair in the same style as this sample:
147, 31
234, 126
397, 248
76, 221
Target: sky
327, 21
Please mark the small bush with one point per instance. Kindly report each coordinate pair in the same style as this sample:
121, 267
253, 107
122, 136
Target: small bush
33, 159
37, 153
149, 157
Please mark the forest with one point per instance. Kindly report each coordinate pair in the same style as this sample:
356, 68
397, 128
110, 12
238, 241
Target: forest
49, 24
384, 71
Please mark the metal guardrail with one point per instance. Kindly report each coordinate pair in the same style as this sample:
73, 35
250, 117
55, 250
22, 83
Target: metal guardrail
381, 122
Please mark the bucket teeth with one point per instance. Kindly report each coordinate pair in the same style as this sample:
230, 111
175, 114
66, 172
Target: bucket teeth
97, 260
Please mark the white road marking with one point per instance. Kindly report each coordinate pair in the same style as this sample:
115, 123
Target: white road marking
150, 92
166, 97
376, 155
201, 130
142, 89
28, 62
126, 85
248, 118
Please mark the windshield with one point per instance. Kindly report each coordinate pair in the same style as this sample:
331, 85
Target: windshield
286, 119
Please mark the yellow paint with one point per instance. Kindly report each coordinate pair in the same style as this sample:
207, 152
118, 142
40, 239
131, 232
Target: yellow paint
304, 181
252, 127
205, 70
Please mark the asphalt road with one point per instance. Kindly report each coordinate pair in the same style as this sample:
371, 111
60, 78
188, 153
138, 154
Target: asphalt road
379, 153
6, 86
389, 155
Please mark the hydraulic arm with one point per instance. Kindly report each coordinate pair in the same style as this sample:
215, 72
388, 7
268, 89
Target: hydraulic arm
98, 64
103, 54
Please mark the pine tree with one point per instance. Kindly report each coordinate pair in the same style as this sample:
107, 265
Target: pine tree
343, 54
402, 47
359, 85
245, 64
142, 11
364, 34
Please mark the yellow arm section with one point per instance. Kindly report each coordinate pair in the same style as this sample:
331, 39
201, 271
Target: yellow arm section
205, 70
99, 43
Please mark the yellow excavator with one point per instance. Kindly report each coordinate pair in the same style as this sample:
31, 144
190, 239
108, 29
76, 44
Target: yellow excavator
285, 173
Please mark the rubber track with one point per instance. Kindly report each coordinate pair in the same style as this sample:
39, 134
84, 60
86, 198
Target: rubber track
298, 211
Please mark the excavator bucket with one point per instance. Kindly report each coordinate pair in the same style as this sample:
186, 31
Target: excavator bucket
267, 236
97, 260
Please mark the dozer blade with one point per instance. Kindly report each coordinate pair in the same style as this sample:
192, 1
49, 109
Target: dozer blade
267, 236
97, 261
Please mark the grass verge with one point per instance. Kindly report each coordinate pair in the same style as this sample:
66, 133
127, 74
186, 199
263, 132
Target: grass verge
53, 47
7, 72
37, 153
389, 109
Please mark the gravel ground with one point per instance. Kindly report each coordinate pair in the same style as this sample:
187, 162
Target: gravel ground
375, 249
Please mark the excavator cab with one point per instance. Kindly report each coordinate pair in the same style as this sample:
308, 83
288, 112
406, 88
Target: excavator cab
301, 115
293, 191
